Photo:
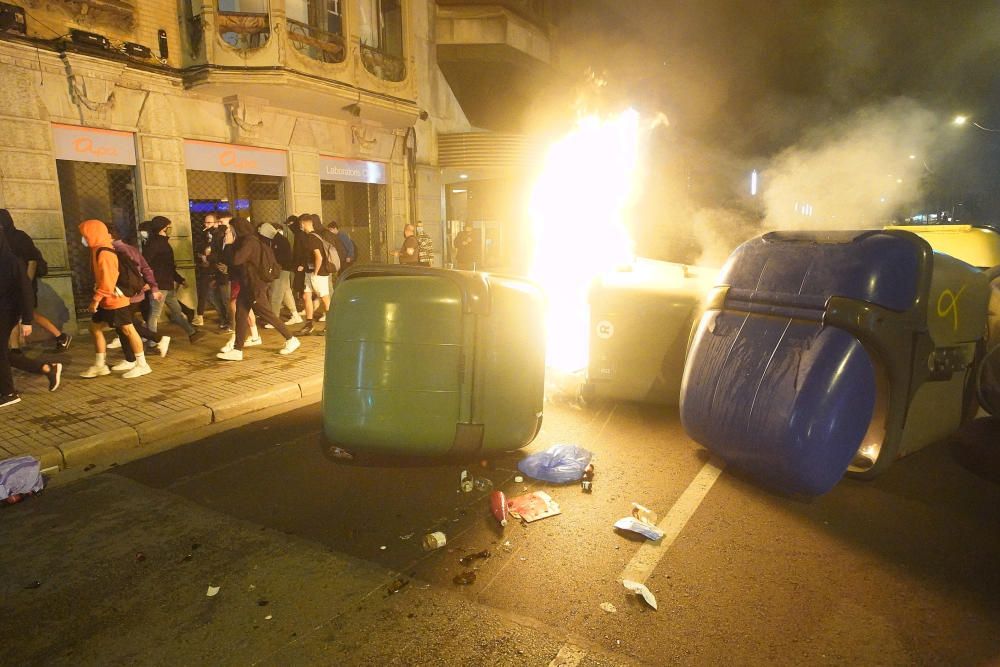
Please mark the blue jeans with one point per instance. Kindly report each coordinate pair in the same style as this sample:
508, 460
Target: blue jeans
176, 314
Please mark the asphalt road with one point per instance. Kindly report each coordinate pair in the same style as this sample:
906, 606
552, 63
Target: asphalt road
114, 568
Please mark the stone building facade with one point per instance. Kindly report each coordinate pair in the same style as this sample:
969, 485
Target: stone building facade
127, 109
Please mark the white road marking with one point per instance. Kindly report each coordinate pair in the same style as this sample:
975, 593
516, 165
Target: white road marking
650, 553
568, 656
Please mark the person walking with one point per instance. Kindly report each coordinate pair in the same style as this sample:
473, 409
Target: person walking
350, 250
408, 253
205, 266
317, 273
24, 248
249, 256
16, 312
160, 341
160, 256
109, 305
281, 289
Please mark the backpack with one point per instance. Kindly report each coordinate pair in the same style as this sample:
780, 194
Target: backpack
268, 269
130, 281
41, 267
330, 253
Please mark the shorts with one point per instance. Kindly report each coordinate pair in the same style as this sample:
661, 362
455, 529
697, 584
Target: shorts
318, 285
234, 290
114, 317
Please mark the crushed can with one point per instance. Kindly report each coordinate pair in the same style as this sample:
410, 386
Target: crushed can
587, 481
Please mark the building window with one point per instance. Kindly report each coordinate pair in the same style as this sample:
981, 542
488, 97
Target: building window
381, 35
243, 24
316, 28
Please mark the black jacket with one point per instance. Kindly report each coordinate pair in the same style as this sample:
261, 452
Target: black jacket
283, 252
17, 297
160, 257
247, 254
18, 241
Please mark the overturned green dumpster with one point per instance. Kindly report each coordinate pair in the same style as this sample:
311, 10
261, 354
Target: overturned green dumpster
432, 362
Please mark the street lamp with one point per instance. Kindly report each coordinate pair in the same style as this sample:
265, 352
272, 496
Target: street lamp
961, 120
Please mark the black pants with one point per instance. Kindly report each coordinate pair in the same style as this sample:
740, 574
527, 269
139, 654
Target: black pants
138, 321
258, 301
24, 363
7, 323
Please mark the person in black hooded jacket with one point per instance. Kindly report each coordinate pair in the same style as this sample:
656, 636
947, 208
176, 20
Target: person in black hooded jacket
16, 308
24, 248
160, 257
248, 254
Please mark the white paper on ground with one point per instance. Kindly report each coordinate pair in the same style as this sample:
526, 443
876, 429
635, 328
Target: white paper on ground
641, 589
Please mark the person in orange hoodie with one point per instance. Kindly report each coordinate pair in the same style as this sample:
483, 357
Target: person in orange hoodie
111, 308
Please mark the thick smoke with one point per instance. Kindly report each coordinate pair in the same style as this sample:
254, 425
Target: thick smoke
858, 173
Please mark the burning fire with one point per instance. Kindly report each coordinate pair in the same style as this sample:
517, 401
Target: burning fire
578, 209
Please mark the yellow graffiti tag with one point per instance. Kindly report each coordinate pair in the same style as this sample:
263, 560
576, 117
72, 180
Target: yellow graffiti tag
948, 303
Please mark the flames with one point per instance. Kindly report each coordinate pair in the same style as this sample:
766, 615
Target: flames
578, 209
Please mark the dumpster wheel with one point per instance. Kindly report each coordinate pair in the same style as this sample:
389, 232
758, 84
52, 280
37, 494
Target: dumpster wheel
873, 456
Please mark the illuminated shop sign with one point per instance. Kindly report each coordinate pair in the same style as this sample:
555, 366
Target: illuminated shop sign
234, 159
351, 171
89, 144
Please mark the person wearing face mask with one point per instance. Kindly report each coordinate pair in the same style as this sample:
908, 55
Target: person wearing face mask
425, 246
160, 257
205, 266
109, 305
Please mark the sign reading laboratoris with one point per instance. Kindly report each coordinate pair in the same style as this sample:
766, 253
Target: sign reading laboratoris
351, 171
234, 159
89, 144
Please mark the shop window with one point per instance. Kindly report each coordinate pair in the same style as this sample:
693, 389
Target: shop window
243, 24
88, 191
316, 28
381, 35
361, 210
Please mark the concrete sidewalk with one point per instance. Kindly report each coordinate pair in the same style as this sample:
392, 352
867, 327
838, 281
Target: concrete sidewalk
187, 390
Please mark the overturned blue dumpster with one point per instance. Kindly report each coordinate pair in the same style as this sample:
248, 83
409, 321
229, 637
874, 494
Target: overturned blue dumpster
823, 353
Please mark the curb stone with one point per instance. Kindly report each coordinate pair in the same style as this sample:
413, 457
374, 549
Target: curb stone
78, 452
312, 385
237, 406
81, 450
178, 422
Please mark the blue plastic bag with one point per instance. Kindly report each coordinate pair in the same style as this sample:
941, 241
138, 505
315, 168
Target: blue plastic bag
558, 464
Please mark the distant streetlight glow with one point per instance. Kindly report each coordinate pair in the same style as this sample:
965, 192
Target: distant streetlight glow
753, 183
463, 176
960, 120
913, 157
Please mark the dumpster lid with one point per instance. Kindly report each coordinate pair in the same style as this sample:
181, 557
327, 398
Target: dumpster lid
474, 286
886, 268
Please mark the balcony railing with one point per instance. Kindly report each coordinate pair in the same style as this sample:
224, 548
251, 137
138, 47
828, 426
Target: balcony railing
383, 65
327, 47
243, 30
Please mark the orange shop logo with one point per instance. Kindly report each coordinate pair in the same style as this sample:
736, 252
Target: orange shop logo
86, 146
230, 158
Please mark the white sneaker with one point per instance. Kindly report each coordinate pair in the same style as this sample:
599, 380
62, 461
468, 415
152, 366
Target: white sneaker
250, 342
268, 326
138, 371
323, 319
198, 321
231, 355
295, 319
115, 344
94, 371
123, 365
230, 344
291, 345
163, 345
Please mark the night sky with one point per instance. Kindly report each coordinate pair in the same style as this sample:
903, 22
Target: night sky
749, 79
